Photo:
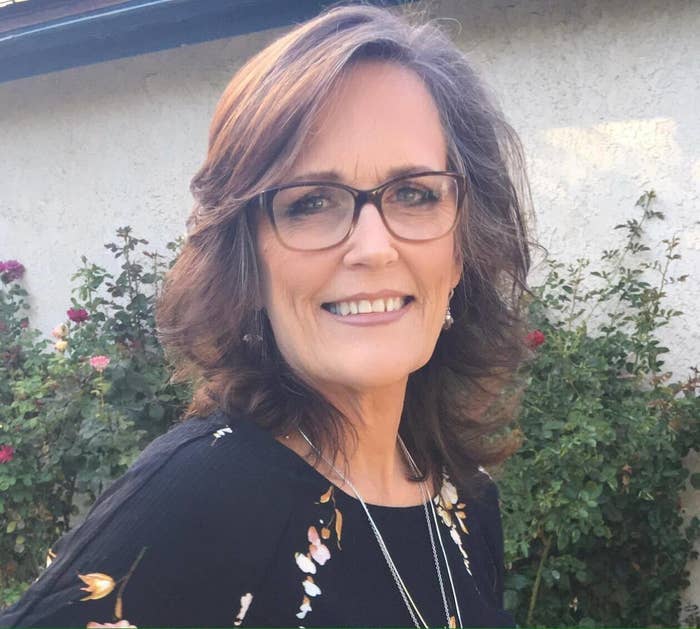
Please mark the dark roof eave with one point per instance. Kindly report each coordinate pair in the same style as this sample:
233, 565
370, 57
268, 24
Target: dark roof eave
141, 26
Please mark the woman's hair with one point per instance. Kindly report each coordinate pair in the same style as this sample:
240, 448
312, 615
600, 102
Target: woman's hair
211, 301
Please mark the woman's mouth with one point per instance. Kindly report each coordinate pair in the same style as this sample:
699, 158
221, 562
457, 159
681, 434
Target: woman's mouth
367, 306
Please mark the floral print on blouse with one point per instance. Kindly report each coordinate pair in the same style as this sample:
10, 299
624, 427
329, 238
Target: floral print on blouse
220, 525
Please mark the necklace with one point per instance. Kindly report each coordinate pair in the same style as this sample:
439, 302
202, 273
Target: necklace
416, 616
428, 499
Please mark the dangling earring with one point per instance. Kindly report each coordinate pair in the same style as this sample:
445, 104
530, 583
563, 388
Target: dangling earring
255, 335
447, 324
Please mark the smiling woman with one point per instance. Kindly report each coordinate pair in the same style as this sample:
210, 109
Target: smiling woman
346, 305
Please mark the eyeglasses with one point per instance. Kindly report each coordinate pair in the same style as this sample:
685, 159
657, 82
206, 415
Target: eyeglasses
315, 215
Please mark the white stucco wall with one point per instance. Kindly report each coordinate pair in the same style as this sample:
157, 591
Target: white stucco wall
603, 92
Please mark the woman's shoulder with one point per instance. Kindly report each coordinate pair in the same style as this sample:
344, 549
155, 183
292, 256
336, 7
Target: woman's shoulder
202, 445
478, 505
204, 473
479, 491
206, 482
484, 505
183, 514
204, 442
212, 462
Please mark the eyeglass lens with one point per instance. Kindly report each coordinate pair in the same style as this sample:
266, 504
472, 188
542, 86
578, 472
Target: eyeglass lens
319, 216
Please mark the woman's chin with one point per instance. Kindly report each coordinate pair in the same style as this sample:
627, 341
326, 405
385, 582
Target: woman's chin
374, 373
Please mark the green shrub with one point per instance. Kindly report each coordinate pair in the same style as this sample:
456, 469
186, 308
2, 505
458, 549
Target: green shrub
74, 415
591, 502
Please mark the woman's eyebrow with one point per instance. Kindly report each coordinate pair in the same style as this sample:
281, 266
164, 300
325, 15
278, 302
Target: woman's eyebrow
335, 176
318, 175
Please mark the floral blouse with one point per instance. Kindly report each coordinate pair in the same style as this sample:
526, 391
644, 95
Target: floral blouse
219, 525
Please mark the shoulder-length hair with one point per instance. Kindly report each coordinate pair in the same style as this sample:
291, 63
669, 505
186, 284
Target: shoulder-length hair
212, 300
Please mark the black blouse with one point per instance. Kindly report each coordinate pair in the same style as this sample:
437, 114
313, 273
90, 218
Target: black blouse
217, 524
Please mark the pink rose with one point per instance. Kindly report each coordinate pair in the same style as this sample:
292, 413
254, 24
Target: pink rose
99, 363
60, 331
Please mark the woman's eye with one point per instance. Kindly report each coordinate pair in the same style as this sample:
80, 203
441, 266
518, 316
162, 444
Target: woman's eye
414, 196
309, 205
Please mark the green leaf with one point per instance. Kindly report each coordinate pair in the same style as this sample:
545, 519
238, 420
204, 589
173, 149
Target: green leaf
519, 581
156, 411
510, 600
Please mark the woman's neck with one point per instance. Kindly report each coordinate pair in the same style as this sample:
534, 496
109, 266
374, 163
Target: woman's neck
370, 458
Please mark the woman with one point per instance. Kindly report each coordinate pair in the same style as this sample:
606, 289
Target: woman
346, 304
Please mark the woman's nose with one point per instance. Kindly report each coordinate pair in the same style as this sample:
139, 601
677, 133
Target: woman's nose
371, 243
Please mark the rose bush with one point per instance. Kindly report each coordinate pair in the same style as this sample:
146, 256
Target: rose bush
591, 503
73, 415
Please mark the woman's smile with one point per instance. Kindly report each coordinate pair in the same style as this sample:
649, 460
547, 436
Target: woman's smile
369, 308
365, 312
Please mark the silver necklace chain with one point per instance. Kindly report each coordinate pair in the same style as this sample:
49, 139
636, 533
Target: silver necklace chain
416, 471
427, 499
414, 612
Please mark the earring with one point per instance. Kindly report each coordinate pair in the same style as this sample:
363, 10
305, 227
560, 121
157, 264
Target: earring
449, 320
255, 335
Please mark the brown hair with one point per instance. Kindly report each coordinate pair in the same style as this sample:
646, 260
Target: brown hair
211, 299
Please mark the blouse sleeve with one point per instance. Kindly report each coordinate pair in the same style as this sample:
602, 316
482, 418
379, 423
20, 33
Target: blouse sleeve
177, 541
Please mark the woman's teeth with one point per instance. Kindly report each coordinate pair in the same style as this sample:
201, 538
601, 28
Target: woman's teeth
365, 306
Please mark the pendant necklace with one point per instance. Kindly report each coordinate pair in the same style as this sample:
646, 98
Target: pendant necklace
415, 614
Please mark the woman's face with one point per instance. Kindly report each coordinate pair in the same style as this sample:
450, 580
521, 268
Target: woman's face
381, 120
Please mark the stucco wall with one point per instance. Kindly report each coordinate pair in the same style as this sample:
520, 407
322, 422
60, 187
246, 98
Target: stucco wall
603, 92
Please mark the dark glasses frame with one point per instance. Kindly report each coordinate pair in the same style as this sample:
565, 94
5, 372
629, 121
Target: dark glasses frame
362, 197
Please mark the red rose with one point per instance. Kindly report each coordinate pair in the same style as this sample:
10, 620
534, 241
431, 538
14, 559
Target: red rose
77, 315
7, 453
534, 339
